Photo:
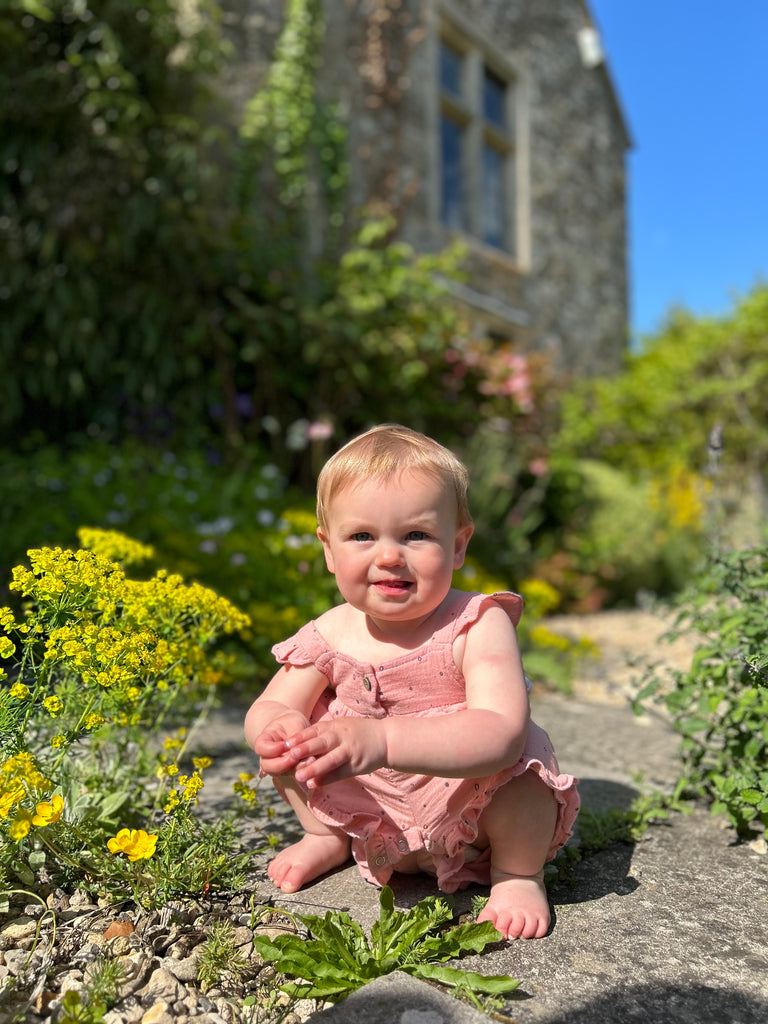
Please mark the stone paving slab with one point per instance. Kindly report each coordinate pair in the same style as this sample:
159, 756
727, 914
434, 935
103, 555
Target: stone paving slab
671, 930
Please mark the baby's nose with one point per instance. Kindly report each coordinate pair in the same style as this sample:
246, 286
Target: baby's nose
389, 553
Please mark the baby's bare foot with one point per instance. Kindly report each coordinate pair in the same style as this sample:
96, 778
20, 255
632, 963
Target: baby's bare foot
518, 906
307, 859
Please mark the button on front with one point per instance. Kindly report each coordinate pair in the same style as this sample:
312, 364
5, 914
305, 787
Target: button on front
366, 682
402, 845
380, 861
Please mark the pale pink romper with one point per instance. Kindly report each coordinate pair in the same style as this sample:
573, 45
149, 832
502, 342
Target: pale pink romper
390, 814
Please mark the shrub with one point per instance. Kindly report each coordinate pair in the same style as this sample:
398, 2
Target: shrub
140, 232
719, 705
694, 375
98, 667
234, 528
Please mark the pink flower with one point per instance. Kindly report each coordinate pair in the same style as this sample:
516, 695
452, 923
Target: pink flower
319, 431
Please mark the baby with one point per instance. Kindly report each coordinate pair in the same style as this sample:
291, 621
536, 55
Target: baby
398, 727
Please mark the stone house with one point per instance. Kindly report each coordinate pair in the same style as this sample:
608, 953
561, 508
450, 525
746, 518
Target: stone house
495, 121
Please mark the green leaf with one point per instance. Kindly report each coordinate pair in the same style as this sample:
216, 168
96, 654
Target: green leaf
37, 859
111, 804
693, 725
750, 796
338, 959
343, 937
490, 984
38, 8
466, 938
396, 931
22, 872
321, 990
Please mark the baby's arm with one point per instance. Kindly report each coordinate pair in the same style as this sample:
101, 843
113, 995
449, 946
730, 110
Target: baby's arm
488, 737
280, 712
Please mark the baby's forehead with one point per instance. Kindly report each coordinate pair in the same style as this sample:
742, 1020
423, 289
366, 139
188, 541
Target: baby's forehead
433, 487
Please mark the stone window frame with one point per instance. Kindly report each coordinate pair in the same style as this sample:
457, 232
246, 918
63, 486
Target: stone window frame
478, 54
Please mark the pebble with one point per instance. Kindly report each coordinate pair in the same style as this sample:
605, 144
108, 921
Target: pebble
14, 933
158, 951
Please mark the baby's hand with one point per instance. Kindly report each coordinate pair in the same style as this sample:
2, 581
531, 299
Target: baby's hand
272, 744
331, 751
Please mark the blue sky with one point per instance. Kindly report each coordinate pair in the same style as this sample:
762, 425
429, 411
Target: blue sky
692, 79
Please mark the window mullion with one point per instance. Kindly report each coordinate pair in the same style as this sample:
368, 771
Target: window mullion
474, 140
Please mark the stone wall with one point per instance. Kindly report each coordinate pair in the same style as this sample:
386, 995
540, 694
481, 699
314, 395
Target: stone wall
563, 291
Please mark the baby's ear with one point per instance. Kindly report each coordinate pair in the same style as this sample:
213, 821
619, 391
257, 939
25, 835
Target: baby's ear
323, 538
460, 544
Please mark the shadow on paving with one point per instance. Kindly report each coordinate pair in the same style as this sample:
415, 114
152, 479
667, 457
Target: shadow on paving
667, 1004
672, 929
396, 999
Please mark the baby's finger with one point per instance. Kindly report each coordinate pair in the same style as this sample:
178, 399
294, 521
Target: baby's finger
282, 765
331, 767
269, 746
298, 739
314, 746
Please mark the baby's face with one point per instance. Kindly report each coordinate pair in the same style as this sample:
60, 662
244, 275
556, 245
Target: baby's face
393, 546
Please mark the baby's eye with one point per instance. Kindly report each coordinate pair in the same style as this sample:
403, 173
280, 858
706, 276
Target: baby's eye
361, 536
417, 535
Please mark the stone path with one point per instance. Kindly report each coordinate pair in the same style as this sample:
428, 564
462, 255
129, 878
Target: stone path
671, 930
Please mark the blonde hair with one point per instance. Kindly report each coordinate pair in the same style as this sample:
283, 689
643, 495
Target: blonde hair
384, 451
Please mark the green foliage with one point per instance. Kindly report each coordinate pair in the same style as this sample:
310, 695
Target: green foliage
220, 957
697, 373
622, 534
591, 530
719, 705
142, 238
235, 528
687, 408
95, 668
340, 958
599, 830
107, 212
78, 1010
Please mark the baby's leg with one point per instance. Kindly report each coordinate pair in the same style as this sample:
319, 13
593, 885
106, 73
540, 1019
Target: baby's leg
321, 849
518, 824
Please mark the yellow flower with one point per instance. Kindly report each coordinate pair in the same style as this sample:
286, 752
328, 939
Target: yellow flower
48, 812
20, 825
20, 691
543, 637
134, 842
192, 785
58, 741
7, 647
19, 774
173, 801
53, 706
115, 546
243, 790
202, 762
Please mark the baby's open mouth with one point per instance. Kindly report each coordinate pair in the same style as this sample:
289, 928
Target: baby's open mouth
394, 584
